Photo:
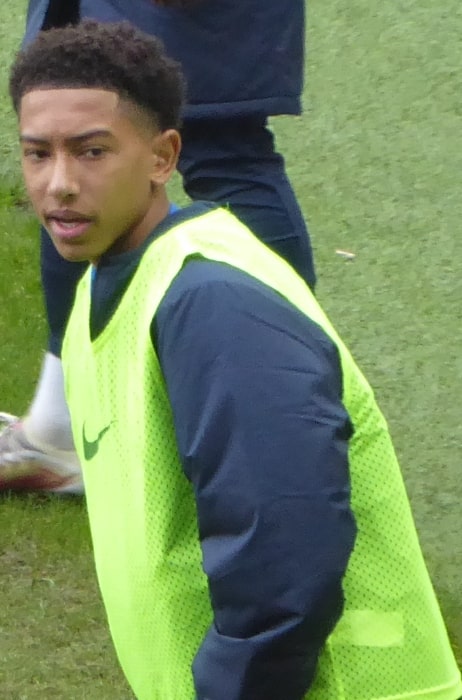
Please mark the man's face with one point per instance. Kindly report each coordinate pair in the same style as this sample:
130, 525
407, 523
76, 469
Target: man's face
88, 168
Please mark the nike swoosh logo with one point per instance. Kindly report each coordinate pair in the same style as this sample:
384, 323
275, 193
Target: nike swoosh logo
91, 447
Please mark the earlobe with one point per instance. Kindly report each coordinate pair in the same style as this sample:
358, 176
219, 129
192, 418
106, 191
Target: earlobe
166, 148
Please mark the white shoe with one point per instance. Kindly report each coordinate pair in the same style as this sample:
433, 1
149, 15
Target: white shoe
28, 467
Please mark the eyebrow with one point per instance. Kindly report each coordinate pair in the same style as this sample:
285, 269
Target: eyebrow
78, 138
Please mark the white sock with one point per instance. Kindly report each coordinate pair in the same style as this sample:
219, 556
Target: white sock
48, 422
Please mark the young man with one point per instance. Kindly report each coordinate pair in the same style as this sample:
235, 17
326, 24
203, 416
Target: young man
228, 157
218, 417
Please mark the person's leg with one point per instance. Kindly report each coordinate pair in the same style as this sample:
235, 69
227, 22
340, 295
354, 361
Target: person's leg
233, 163
59, 282
37, 451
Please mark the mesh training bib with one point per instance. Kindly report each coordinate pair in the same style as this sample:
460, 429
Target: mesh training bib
391, 641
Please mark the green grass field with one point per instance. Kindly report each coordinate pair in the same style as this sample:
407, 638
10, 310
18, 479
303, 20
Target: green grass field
376, 163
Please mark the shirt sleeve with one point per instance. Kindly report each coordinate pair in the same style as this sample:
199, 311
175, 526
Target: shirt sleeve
256, 390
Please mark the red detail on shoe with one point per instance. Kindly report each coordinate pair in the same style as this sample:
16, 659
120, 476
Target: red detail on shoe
42, 480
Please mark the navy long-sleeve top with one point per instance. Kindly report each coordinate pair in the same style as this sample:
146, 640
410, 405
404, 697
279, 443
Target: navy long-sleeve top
239, 58
256, 393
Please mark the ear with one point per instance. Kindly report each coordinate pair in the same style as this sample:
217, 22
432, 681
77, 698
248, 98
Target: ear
166, 147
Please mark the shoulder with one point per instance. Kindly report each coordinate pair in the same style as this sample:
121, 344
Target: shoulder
215, 287
221, 309
200, 275
207, 295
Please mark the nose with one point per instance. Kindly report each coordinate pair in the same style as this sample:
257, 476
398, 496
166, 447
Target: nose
63, 183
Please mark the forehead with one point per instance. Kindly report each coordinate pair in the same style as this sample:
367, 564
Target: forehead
64, 111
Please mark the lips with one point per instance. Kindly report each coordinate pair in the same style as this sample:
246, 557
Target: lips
67, 224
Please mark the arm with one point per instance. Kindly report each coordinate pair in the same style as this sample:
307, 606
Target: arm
255, 389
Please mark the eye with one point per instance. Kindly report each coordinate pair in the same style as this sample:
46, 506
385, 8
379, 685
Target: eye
35, 154
93, 153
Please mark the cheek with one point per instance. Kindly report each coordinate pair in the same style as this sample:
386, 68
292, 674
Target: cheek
33, 187
27, 177
138, 167
133, 183
35, 177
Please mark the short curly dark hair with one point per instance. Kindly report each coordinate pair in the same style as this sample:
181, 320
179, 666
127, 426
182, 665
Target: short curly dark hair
112, 56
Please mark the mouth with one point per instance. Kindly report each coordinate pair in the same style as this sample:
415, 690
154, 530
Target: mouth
67, 225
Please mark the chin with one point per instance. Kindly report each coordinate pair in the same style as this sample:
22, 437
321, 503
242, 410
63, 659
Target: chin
74, 255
